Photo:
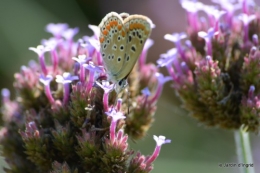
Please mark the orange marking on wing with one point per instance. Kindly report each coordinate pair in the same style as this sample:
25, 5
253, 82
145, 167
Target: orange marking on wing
101, 39
141, 26
123, 33
119, 27
105, 32
137, 25
108, 27
111, 24
131, 27
114, 23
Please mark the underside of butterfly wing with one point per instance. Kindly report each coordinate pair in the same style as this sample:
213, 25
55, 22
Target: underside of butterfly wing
113, 43
138, 29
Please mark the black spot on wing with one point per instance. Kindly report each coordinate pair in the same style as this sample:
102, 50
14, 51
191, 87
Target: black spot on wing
129, 38
133, 48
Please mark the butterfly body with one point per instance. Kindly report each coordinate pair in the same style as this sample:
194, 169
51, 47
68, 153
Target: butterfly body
122, 39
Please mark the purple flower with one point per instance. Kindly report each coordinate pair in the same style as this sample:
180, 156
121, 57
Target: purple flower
52, 44
161, 80
176, 38
115, 117
56, 29
94, 45
251, 92
192, 7
76, 121
107, 89
246, 19
214, 16
255, 39
160, 140
66, 79
119, 104
85, 48
5, 95
40, 50
248, 6
92, 69
46, 82
228, 6
146, 92
149, 42
69, 33
208, 37
82, 59
169, 58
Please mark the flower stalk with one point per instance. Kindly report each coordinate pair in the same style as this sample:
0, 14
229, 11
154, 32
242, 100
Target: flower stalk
244, 153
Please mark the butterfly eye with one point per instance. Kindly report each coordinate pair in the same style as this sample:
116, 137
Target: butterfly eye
122, 83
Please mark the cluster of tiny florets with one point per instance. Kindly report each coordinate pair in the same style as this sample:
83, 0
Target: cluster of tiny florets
215, 64
65, 116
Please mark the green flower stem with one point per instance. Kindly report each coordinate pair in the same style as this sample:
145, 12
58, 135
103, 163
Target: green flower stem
244, 153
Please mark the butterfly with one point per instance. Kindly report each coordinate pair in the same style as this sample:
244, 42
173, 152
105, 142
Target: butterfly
122, 38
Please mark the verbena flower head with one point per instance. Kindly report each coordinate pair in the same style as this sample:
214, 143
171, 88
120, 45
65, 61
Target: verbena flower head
216, 72
65, 116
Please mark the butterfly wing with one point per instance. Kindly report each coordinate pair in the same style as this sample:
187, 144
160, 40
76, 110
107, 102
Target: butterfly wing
113, 43
138, 30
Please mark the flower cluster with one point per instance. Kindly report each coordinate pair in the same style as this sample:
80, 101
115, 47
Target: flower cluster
66, 116
215, 64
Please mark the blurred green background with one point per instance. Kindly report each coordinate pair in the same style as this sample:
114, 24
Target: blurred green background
194, 148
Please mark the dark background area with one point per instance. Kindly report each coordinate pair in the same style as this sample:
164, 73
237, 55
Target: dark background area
194, 148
